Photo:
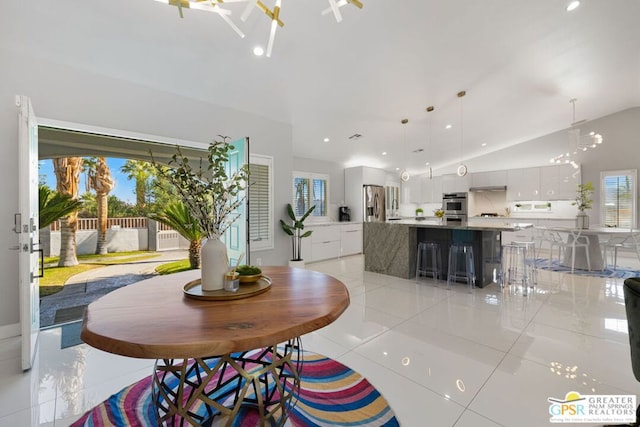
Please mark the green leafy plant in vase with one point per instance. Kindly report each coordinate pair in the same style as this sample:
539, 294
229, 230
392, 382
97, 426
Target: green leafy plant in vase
583, 201
419, 212
295, 230
212, 196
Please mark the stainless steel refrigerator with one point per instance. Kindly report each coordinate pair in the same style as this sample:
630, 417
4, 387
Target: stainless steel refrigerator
373, 206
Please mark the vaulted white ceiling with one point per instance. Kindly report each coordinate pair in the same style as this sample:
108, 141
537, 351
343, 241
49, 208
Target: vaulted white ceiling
519, 61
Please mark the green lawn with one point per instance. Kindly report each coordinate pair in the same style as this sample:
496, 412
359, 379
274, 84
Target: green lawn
55, 277
173, 267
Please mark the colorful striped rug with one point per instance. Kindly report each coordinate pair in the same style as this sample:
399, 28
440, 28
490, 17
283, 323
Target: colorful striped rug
331, 394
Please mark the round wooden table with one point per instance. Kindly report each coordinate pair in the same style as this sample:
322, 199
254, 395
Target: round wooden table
154, 319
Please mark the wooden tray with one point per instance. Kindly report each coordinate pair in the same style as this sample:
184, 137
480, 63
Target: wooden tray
194, 290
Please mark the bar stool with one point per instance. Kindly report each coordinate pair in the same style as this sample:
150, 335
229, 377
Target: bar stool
461, 257
515, 266
429, 260
530, 260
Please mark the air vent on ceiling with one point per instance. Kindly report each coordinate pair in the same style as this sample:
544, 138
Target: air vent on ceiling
355, 136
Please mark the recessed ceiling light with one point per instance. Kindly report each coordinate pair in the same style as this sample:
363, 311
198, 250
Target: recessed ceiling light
484, 144
426, 164
397, 169
448, 126
258, 51
384, 153
573, 5
326, 140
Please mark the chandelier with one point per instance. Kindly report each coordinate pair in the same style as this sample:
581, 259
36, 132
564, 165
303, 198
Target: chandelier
273, 14
577, 143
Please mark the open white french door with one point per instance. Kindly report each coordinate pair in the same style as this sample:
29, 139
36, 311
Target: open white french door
236, 236
26, 225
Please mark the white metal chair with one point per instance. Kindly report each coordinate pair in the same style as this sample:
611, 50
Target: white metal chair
554, 238
576, 240
614, 243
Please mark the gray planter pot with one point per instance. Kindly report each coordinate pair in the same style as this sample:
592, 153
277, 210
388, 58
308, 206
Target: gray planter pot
582, 221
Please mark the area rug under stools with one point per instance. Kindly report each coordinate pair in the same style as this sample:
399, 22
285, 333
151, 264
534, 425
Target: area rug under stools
618, 273
331, 394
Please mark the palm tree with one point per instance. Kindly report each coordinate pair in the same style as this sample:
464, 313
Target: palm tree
67, 170
177, 216
100, 180
139, 171
54, 206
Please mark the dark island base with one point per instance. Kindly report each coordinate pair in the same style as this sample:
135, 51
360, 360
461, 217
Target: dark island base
391, 249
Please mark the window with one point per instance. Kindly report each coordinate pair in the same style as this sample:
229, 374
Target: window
618, 201
260, 202
310, 189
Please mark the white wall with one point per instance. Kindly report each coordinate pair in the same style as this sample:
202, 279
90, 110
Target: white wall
70, 94
118, 240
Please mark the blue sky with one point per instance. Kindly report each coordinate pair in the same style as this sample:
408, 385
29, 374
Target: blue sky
124, 189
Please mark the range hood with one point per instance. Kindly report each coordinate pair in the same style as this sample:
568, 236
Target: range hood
489, 188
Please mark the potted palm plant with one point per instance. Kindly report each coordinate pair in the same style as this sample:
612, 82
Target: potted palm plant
583, 202
295, 231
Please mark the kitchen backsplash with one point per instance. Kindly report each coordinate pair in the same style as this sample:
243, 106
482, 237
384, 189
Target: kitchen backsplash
558, 209
489, 204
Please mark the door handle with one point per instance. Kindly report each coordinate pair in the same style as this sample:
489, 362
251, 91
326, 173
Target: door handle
41, 263
17, 221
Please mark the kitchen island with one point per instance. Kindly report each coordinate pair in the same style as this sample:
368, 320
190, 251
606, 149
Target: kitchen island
390, 247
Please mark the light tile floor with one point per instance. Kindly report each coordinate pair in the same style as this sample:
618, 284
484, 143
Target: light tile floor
440, 357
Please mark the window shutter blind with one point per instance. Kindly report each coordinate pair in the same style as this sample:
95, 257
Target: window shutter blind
319, 197
310, 189
259, 203
618, 200
300, 195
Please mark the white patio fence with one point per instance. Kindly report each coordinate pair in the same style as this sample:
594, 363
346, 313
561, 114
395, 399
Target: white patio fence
123, 234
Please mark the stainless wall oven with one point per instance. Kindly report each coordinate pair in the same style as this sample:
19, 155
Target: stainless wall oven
454, 204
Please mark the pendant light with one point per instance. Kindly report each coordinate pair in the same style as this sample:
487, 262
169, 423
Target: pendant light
577, 143
404, 175
462, 168
430, 141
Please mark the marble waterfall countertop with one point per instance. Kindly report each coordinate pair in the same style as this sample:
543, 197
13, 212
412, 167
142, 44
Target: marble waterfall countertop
507, 225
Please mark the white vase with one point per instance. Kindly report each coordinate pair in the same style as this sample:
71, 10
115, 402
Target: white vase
214, 264
582, 221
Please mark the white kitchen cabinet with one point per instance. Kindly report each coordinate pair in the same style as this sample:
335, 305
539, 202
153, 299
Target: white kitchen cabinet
453, 183
373, 176
332, 241
351, 239
325, 250
489, 179
325, 242
432, 189
523, 184
559, 182
412, 190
